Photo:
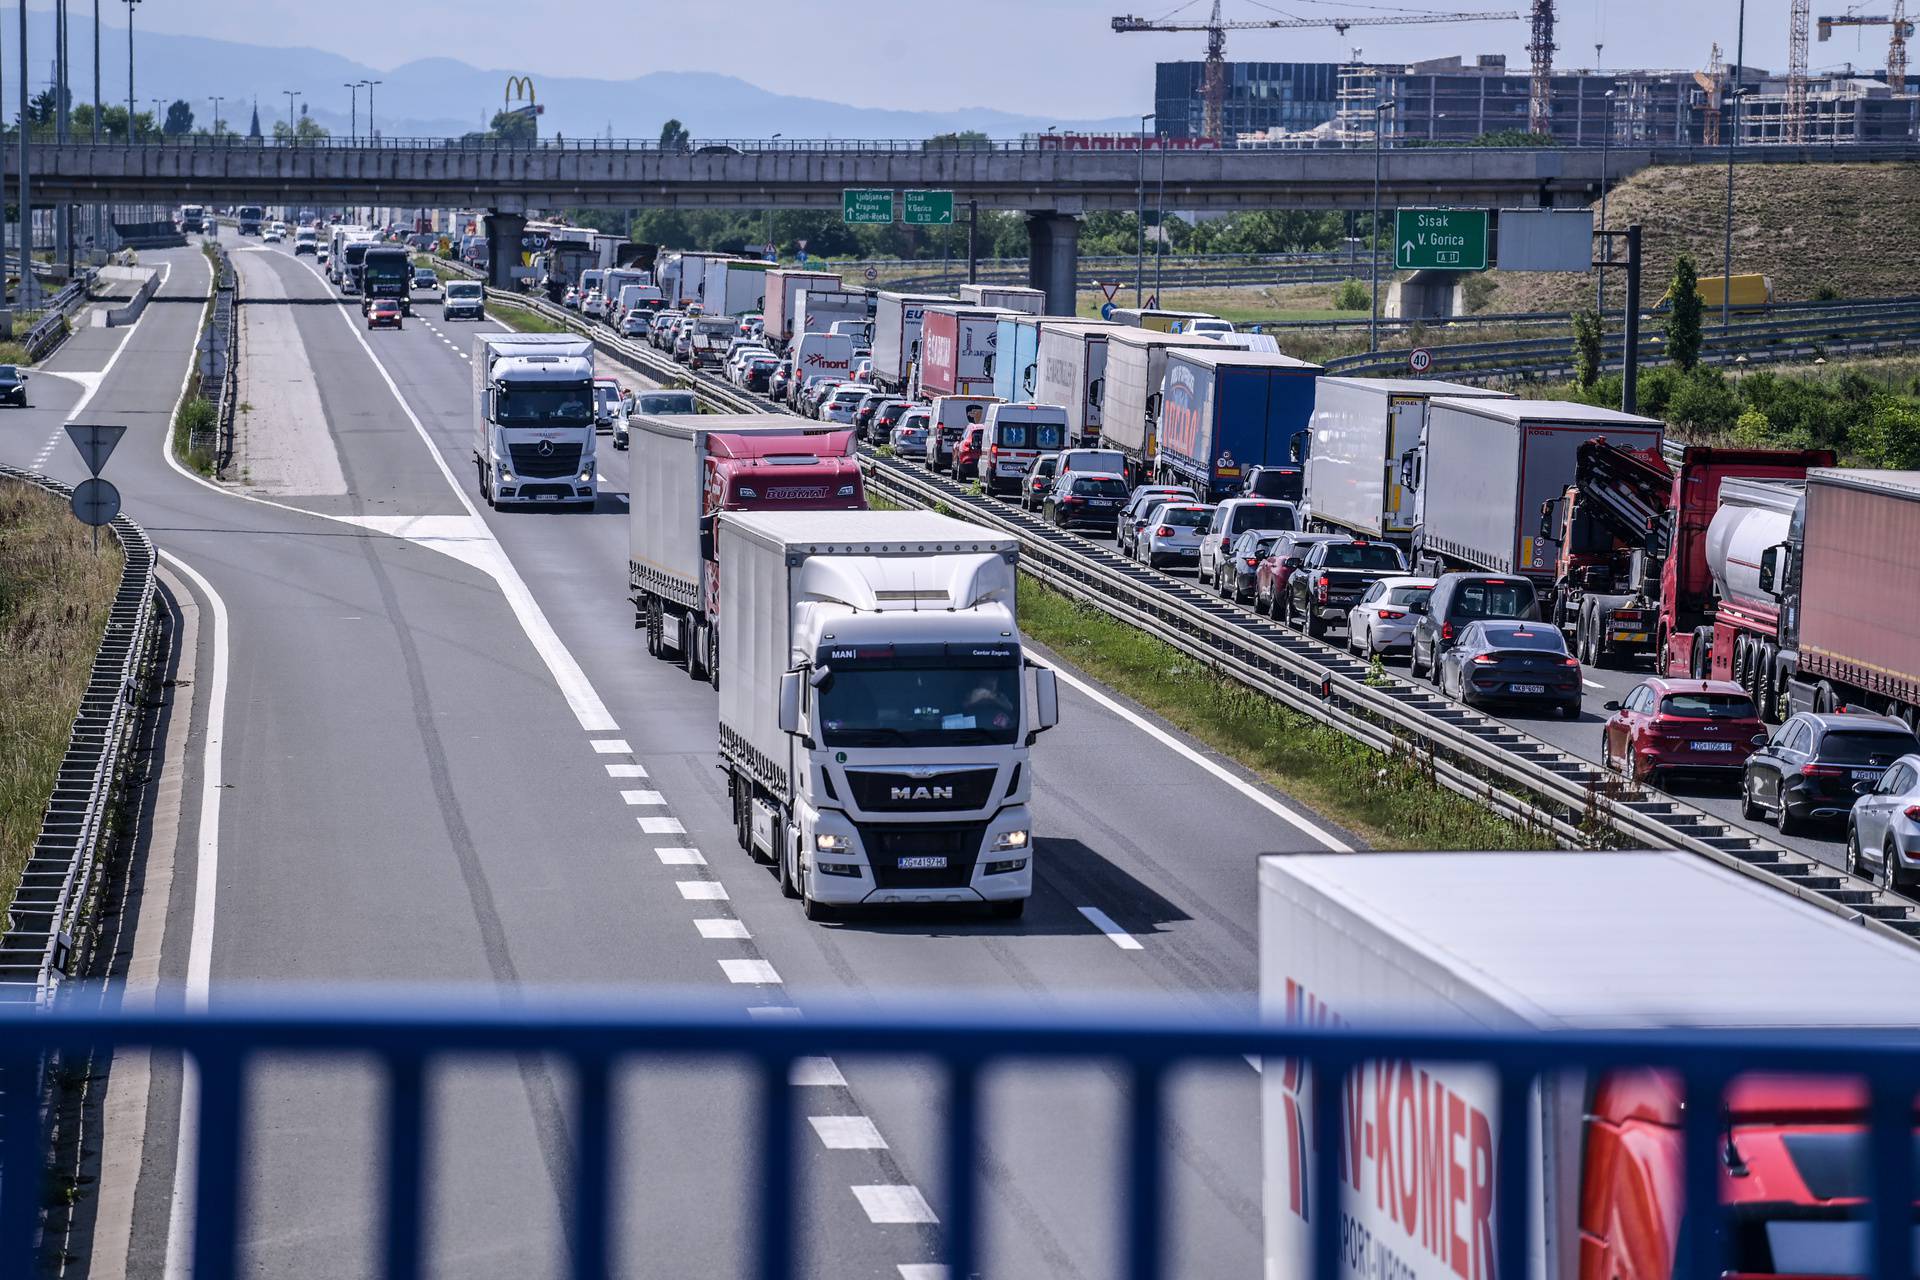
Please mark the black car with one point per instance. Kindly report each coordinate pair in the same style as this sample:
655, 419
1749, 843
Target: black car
1038, 480
1087, 499
1248, 550
1460, 598
1286, 482
1511, 662
885, 419
1332, 577
864, 417
13, 385
759, 374
1808, 770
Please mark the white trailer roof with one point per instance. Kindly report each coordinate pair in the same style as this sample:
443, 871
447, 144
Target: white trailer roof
1232, 358
689, 425
868, 532
1417, 387
1899, 484
1598, 940
1515, 410
1133, 335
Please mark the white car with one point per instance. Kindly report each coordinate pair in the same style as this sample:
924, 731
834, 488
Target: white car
1383, 620
1234, 517
738, 357
1133, 516
274, 235
594, 304
840, 406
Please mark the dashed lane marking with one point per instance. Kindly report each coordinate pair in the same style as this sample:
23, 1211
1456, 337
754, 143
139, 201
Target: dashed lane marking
612, 746
702, 890
774, 1012
663, 826
722, 930
643, 797
750, 972
847, 1133
922, 1271
626, 771
894, 1204
1105, 924
680, 856
821, 1073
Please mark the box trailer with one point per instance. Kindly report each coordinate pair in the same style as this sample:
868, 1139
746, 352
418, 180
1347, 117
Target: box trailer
1008, 297
1535, 944
1072, 372
1366, 434
783, 299
1130, 408
742, 288
1489, 466
818, 310
1224, 412
956, 350
897, 318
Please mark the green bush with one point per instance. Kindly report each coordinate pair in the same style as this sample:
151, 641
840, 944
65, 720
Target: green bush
1890, 436
1683, 319
1588, 347
1476, 291
1352, 296
1752, 430
1702, 399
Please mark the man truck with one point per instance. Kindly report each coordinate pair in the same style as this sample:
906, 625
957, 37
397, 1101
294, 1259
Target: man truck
877, 717
533, 419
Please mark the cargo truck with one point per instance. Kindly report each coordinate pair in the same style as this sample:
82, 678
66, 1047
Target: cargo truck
1072, 374
1846, 576
1539, 944
1156, 319
783, 300
533, 418
1366, 434
248, 217
1130, 410
956, 350
689, 468
897, 318
818, 310
1488, 465
1224, 412
1016, 355
386, 271
1007, 297
193, 218
876, 720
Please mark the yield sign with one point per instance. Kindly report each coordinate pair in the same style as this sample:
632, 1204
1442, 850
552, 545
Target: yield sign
95, 441
1108, 289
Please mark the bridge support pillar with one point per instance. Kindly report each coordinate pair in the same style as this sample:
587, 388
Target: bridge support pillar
503, 247
1053, 259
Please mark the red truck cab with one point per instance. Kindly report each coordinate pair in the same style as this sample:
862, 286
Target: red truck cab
805, 471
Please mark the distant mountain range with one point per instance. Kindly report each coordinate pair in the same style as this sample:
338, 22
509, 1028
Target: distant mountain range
438, 97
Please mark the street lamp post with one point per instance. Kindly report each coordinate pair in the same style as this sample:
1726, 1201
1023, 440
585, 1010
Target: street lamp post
25, 195
1733, 140
1606, 146
131, 6
1380, 110
1140, 220
372, 132
353, 109
216, 113
1160, 222
291, 95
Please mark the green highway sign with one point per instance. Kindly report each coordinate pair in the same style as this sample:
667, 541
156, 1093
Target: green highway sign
928, 208
1440, 240
867, 204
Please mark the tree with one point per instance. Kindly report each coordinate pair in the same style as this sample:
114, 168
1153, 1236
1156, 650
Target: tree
971, 139
1587, 346
41, 109
674, 136
513, 126
179, 119
1683, 321
307, 130
1513, 138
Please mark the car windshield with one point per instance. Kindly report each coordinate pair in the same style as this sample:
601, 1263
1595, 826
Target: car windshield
1184, 517
1493, 600
941, 699
1261, 516
459, 290
1100, 487
1708, 706
536, 406
1363, 555
9, 372
667, 402
1848, 746
1545, 639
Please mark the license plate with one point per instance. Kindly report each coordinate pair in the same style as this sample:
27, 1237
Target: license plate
924, 862
1712, 746
1104, 502
1629, 637
1868, 775
1529, 688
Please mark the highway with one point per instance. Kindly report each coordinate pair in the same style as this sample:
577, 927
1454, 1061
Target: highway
426, 746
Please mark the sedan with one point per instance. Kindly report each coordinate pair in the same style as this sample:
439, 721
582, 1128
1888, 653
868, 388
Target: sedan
1085, 499
1383, 620
1808, 770
1234, 577
424, 279
384, 312
1172, 533
1512, 662
1038, 481
1885, 830
13, 385
759, 373
1666, 726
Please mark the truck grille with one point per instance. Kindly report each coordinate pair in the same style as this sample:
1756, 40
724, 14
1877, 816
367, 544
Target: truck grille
563, 460
904, 793
958, 843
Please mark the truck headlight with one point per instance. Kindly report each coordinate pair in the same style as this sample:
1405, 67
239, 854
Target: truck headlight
824, 843
1009, 840
506, 475
586, 476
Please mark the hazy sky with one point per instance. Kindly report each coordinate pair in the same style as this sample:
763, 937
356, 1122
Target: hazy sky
1052, 57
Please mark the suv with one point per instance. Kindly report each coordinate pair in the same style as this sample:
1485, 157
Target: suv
1286, 482
1809, 769
1234, 517
1333, 577
1460, 598
1081, 497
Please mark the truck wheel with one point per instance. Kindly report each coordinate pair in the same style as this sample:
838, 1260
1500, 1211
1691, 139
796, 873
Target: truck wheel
713, 657
697, 653
786, 867
650, 619
1824, 698
1010, 909
486, 483
1764, 684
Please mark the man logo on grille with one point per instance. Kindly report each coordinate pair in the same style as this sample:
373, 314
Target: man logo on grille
546, 448
921, 793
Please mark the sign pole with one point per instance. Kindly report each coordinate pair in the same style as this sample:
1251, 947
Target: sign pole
1630, 366
973, 242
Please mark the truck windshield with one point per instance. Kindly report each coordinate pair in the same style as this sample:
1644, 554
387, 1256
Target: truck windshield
456, 289
541, 406
920, 701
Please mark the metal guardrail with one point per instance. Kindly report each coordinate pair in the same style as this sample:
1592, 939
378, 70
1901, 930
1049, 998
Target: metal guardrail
51, 329
46, 922
219, 361
409, 1040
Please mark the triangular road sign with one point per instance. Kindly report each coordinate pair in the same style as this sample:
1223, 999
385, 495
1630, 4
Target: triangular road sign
1109, 289
95, 441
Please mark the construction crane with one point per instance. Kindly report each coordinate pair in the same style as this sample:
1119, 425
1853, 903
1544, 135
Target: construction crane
1896, 44
1797, 70
1540, 93
1214, 84
1713, 80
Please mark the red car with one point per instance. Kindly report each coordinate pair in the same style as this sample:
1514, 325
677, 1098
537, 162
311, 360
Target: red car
966, 453
1271, 578
383, 311
1669, 725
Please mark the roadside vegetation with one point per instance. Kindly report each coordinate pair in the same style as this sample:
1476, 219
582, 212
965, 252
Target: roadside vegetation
522, 319
54, 596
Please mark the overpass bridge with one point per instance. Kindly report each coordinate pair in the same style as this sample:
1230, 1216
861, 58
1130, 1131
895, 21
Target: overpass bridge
1052, 182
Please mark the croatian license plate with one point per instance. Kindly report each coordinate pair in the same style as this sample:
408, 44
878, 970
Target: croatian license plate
924, 862
1529, 688
1629, 637
1104, 502
1712, 746
1868, 775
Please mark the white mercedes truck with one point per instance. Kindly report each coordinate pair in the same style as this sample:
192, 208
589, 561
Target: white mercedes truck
533, 434
877, 718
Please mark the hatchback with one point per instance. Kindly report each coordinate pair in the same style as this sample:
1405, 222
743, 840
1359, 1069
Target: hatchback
1140, 504
1234, 578
1885, 830
1460, 598
13, 385
909, 437
608, 403
1084, 498
1806, 772
886, 417
636, 324
967, 451
1039, 481
759, 373
1512, 662
840, 406
384, 313
1383, 620
1667, 726
1173, 532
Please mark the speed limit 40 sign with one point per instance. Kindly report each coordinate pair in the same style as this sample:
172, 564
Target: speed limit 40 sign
1420, 360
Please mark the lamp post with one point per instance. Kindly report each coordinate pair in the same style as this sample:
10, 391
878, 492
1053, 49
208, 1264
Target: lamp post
1606, 146
1733, 140
1140, 220
216, 113
1160, 222
291, 95
25, 195
372, 132
131, 5
1380, 110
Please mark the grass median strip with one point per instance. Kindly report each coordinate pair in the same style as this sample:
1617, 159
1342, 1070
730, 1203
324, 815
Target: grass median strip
55, 593
1389, 803
522, 319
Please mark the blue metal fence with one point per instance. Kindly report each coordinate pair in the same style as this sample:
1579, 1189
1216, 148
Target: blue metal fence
406, 1036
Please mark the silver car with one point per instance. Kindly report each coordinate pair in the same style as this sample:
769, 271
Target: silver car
910, 436
1383, 620
1884, 831
1133, 516
1171, 534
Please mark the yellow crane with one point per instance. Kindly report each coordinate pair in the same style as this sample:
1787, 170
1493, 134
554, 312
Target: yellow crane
1896, 44
1214, 85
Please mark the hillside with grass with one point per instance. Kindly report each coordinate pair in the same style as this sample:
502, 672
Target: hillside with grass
1818, 231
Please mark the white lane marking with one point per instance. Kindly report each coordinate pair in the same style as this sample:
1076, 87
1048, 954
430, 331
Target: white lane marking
612, 746
626, 771
662, 826
774, 1011
206, 878
1105, 924
894, 1204
847, 1133
1591, 684
922, 1271
643, 797
1312, 830
1252, 1061
680, 856
750, 972
815, 1072
702, 890
722, 930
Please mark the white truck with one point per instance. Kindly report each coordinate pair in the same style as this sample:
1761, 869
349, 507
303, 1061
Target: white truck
1130, 412
735, 286
896, 335
783, 299
1489, 465
533, 432
1072, 374
1007, 297
876, 718
1367, 435
818, 310
1542, 943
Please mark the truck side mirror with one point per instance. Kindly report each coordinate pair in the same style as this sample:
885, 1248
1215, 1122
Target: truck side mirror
1549, 518
1773, 568
709, 527
1046, 701
790, 686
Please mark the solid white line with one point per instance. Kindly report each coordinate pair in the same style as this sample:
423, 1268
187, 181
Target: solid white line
722, 930
680, 856
702, 890
626, 771
821, 1072
1591, 684
894, 1204
1319, 835
1105, 924
774, 1011
922, 1271
91, 386
750, 972
643, 797
206, 878
662, 826
612, 746
847, 1133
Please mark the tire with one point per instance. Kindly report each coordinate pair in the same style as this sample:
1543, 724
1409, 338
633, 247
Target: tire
1011, 909
1413, 661
784, 865
1316, 625
1890, 868
713, 656
1852, 864
656, 638
1788, 824
1824, 697
1570, 710
1283, 610
696, 654
1748, 809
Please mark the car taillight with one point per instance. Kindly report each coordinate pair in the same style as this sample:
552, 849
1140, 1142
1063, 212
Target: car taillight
1391, 614
1485, 659
1073, 502
1446, 631
1569, 661
1626, 615
1253, 562
1912, 811
1822, 771
1165, 531
1320, 588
